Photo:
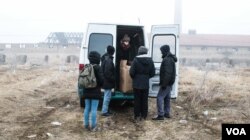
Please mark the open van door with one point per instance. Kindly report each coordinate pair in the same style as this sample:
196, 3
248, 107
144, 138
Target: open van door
163, 35
98, 37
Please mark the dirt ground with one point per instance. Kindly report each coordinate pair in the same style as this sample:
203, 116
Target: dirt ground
33, 98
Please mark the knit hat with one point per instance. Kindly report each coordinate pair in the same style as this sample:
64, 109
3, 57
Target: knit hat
142, 50
110, 50
165, 49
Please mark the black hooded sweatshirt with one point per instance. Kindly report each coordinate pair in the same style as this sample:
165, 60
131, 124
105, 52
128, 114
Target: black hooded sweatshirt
108, 69
167, 69
141, 70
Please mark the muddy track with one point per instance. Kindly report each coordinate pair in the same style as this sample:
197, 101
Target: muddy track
38, 125
35, 126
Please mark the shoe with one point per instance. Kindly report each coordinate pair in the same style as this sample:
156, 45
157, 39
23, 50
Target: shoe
110, 113
95, 129
167, 116
143, 118
107, 114
86, 127
158, 118
136, 120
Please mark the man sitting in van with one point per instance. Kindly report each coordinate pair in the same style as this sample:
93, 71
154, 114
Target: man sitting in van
108, 69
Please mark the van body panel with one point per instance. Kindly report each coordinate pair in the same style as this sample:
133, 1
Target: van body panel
161, 35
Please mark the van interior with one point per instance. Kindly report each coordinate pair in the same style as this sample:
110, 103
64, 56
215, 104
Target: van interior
136, 40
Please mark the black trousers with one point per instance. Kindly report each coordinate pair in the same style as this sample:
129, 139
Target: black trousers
141, 103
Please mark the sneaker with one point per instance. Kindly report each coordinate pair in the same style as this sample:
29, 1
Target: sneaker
107, 114
111, 113
86, 127
142, 118
158, 118
167, 116
95, 129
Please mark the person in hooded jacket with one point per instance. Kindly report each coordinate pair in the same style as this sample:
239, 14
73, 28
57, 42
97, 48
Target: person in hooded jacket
167, 79
92, 95
141, 70
108, 69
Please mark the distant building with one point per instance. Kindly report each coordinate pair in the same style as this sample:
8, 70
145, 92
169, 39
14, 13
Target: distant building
233, 49
64, 39
195, 49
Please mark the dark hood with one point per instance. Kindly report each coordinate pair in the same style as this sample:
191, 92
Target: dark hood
143, 59
94, 57
105, 56
165, 49
169, 54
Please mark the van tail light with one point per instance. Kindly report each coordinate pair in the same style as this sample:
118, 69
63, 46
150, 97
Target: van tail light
81, 67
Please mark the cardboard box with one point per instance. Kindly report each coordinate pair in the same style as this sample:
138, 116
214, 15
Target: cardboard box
123, 63
125, 79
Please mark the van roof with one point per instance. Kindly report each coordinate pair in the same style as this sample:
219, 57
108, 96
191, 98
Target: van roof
118, 24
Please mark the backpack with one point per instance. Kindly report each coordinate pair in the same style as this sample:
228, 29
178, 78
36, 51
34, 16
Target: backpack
87, 78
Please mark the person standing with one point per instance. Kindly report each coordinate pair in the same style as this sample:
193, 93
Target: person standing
92, 95
108, 69
125, 47
141, 70
167, 79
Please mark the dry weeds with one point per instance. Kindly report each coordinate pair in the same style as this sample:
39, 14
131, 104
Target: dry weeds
32, 98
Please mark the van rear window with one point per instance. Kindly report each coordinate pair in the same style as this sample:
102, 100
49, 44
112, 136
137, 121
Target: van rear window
158, 41
98, 42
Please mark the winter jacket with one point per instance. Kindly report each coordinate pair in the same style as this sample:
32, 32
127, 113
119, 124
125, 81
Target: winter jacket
167, 70
108, 69
95, 93
141, 70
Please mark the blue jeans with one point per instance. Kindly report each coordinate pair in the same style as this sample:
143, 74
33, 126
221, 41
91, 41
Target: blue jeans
90, 106
163, 101
106, 100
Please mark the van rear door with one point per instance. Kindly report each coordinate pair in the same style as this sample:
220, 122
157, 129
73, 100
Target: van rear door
98, 37
161, 35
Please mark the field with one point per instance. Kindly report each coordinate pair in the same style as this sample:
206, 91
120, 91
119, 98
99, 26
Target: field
41, 102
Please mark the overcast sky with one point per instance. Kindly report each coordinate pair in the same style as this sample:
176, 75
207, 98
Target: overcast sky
33, 20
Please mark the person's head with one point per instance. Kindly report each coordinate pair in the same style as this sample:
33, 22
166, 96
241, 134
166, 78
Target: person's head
110, 50
142, 50
126, 39
165, 49
94, 57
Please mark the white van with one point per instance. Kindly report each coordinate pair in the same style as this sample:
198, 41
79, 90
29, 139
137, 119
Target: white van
98, 36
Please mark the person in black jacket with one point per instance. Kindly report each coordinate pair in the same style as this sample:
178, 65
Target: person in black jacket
108, 69
141, 70
92, 95
167, 79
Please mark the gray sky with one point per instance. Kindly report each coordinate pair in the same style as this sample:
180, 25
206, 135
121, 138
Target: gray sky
32, 20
